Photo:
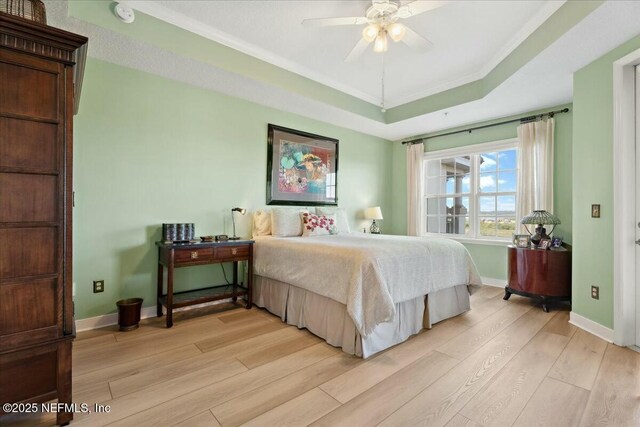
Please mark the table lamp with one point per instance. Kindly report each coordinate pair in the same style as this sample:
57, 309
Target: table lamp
373, 213
233, 219
540, 218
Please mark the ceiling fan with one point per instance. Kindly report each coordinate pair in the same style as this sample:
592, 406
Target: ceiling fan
381, 19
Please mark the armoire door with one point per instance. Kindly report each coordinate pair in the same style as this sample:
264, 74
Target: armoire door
32, 183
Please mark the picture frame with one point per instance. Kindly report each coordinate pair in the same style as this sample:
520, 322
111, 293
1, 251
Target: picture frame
595, 211
556, 242
521, 240
544, 244
302, 168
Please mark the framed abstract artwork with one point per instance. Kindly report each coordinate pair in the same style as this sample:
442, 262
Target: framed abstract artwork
302, 168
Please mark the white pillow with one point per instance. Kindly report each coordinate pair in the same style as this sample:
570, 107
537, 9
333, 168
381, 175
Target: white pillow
317, 225
261, 223
341, 218
286, 222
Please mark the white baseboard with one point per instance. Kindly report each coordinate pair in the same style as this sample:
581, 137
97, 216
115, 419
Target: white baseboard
591, 327
146, 312
108, 320
490, 281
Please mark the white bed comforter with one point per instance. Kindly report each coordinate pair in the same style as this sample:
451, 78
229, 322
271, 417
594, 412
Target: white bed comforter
368, 273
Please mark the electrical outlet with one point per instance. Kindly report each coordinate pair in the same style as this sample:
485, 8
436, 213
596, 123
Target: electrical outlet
595, 292
98, 286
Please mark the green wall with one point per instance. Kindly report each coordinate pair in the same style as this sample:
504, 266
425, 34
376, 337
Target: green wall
491, 260
593, 183
150, 150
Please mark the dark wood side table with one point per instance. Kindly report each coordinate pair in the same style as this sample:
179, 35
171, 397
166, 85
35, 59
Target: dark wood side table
540, 274
176, 255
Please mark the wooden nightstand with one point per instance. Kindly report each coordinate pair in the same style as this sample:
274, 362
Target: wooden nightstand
177, 255
538, 273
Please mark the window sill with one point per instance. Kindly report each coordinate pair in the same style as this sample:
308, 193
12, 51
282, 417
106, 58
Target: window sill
488, 242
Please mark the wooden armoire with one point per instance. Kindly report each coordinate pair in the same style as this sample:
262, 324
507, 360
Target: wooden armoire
37, 76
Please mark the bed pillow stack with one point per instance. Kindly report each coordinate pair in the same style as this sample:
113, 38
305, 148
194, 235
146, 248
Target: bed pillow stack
288, 222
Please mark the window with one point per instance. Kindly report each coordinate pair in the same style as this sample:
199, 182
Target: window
471, 192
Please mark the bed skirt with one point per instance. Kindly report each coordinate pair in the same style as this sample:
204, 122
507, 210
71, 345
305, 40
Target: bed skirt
329, 319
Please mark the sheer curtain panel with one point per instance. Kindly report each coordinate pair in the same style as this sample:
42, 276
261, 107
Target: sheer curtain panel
535, 168
415, 182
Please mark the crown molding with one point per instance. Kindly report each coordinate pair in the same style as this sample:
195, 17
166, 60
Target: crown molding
532, 25
156, 10
545, 12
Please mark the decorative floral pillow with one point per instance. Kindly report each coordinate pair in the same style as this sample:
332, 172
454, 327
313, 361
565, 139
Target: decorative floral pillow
342, 222
318, 225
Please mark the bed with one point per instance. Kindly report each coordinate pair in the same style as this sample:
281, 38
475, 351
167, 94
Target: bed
362, 292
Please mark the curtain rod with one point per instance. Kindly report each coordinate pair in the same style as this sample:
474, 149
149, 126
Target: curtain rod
521, 120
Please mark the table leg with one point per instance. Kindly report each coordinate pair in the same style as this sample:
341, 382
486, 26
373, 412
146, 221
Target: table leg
250, 279
545, 307
159, 292
234, 292
170, 295
507, 294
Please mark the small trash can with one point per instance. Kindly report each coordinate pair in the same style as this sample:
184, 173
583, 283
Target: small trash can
129, 313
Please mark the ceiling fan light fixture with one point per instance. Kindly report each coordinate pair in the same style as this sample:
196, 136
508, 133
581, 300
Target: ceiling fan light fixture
370, 32
396, 31
380, 45
380, 5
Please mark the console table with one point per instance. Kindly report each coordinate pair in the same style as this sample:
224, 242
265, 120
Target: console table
538, 273
177, 255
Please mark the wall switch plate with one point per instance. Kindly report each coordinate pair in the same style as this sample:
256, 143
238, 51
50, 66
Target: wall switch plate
595, 292
98, 286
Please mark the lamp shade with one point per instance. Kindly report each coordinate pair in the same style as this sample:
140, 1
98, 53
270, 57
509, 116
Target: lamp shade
370, 32
541, 217
396, 31
380, 44
373, 213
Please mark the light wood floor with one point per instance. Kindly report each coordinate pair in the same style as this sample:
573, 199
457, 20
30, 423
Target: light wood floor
501, 364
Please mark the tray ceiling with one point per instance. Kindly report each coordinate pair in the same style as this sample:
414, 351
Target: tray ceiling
489, 59
469, 39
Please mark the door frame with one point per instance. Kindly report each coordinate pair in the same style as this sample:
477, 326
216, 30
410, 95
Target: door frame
624, 200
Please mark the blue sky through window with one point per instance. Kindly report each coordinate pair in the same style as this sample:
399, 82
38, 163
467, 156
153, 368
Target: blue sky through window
450, 196
497, 173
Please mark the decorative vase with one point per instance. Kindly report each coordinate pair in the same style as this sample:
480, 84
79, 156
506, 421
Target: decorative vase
541, 233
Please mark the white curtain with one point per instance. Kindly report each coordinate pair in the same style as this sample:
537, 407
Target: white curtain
535, 168
415, 181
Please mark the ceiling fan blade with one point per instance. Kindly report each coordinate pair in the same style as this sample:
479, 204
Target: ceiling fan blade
415, 41
417, 7
357, 50
329, 22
